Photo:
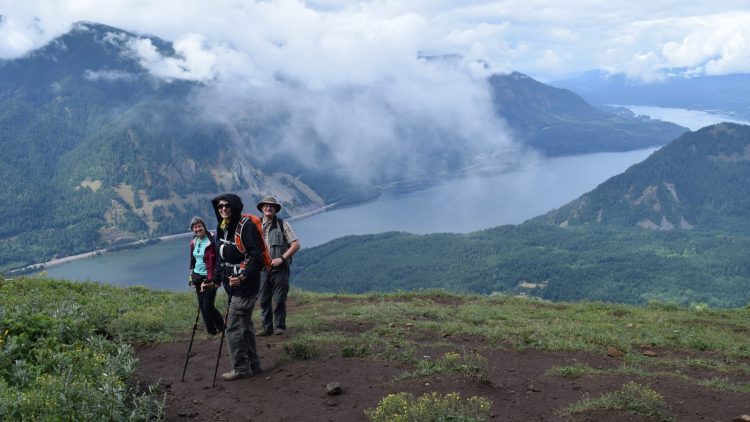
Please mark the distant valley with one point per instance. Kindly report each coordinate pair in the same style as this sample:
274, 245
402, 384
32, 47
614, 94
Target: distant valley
673, 228
98, 151
728, 94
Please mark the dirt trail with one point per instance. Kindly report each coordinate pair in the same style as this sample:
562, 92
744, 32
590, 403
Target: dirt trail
295, 390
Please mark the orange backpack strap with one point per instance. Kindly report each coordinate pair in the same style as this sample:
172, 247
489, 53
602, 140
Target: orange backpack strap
258, 226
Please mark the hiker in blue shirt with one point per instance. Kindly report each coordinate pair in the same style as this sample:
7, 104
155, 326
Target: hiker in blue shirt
202, 267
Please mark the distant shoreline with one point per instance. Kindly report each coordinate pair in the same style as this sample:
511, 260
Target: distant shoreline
145, 242
403, 186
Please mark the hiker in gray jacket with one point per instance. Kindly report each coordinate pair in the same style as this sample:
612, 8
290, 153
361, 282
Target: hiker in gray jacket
282, 243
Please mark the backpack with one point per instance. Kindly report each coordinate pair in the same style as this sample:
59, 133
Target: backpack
258, 226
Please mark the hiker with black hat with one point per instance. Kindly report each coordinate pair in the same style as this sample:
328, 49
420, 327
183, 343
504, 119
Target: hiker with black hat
282, 243
241, 261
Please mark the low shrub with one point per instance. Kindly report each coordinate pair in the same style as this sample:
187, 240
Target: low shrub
301, 348
57, 363
472, 365
404, 407
633, 398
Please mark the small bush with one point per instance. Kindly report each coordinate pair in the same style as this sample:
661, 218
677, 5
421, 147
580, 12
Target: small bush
573, 371
403, 407
356, 350
301, 348
55, 362
632, 398
472, 365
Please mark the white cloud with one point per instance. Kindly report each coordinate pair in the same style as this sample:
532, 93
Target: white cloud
315, 40
108, 75
194, 59
349, 73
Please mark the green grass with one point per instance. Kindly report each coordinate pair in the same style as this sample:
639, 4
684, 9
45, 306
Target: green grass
471, 365
632, 398
58, 339
581, 370
404, 407
524, 323
302, 347
65, 352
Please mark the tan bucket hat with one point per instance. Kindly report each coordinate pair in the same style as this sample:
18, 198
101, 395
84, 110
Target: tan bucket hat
270, 200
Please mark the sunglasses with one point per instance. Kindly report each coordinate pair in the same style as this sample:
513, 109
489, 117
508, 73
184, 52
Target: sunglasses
221, 206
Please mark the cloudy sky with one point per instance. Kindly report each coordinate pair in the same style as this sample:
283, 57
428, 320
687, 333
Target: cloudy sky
547, 39
353, 74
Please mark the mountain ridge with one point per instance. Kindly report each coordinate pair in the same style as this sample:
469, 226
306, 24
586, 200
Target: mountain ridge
576, 252
662, 193
725, 93
100, 151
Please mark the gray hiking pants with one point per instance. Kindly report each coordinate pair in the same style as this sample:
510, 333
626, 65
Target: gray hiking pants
274, 287
241, 334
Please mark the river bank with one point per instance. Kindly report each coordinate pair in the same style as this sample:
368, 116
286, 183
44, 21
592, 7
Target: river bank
41, 266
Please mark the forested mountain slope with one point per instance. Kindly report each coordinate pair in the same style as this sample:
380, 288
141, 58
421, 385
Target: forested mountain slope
559, 122
98, 150
699, 181
601, 246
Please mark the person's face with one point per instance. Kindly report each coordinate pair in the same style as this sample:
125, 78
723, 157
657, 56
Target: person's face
224, 210
268, 210
199, 229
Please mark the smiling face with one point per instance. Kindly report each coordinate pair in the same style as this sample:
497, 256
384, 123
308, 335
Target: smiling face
225, 211
268, 210
199, 229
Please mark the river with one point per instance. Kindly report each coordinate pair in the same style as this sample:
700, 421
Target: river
457, 205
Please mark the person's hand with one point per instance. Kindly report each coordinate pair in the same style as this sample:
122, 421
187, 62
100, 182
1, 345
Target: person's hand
234, 281
276, 262
207, 285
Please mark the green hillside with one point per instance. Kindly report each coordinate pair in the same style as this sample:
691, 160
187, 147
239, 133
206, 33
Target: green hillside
97, 151
559, 122
597, 248
582, 263
699, 181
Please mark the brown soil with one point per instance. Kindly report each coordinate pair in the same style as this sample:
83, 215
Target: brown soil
295, 390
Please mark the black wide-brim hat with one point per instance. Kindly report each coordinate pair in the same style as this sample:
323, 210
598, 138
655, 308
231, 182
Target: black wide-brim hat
270, 201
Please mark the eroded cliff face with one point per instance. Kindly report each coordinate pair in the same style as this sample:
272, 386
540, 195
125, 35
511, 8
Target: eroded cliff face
164, 215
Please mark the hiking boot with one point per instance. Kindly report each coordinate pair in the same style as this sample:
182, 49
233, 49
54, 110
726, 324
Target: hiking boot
256, 369
234, 375
280, 331
264, 333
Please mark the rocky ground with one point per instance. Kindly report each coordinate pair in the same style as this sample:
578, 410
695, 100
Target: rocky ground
517, 382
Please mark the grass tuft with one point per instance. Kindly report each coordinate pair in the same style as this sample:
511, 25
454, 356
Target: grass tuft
632, 398
302, 348
404, 407
471, 365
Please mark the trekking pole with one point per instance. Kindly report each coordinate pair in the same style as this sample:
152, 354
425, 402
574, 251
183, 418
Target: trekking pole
221, 342
195, 326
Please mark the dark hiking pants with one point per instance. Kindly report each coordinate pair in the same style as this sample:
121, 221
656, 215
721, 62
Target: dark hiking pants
274, 288
212, 318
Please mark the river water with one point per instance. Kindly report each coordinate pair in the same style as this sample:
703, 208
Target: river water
457, 205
